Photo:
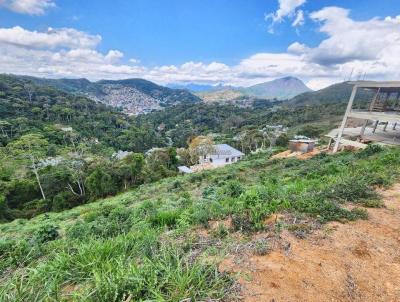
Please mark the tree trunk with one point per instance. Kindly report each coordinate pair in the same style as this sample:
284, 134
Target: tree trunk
37, 178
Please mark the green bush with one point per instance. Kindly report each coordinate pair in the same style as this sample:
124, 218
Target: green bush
167, 218
350, 189
233, 188
370, 150
103, 223
210, 192
46, 233
201, 214
250, 220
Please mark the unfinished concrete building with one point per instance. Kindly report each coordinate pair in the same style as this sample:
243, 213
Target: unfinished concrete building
381, 118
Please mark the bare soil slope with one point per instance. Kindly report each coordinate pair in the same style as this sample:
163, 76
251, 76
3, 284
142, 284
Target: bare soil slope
356, 261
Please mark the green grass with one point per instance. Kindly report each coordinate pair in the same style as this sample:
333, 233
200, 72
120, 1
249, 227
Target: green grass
142, 244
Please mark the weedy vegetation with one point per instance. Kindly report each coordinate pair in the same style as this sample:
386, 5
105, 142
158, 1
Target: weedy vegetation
143, 245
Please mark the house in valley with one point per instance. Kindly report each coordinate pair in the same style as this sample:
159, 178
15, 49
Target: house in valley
221, 155
216, 156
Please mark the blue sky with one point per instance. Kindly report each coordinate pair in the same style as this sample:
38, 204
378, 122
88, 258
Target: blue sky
237, 42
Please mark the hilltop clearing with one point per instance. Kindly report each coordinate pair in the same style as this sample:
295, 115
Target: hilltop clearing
354, 261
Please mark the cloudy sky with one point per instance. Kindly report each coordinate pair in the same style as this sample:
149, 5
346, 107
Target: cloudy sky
236, 42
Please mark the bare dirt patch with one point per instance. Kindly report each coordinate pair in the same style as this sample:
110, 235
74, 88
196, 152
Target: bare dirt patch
298, 155
355, 261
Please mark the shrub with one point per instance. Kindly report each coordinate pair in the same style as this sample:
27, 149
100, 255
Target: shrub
233, 189
357, 213
103, 223
201, 214
220, 231
46, 233
325, 210
100, 183
311, 131
350, 189
165, 218
370, 150
282, 140
250, 220
177, 185
78, 230
210, 192
64, 200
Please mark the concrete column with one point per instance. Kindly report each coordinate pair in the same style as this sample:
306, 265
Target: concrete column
346, 115
375, 126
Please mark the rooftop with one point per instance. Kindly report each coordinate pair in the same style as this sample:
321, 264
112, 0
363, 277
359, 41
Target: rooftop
185, 169
225, 149
386, 86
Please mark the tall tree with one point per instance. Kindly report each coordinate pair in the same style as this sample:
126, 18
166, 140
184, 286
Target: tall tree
31, 148
200, 146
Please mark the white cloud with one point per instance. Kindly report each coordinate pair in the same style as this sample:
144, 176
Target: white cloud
319, 83
29, 7
52, 38
287, 8
297, 48
114, 56
370, 46
299, 18
134, 61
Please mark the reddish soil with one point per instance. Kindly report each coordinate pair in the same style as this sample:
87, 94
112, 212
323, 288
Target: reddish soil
298, 155
355, 261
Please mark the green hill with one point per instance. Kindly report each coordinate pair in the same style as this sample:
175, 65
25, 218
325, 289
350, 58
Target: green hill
281, 89
336, 93
164, 241
51, 142
134, 96
76, 139
163, 238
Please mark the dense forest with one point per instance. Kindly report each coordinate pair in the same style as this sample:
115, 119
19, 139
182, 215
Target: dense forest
59, 150
56, 149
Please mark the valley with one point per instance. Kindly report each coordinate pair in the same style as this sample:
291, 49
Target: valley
138, 96
199, 151
92, 202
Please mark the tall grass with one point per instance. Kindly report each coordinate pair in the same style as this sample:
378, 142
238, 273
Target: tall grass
139, 246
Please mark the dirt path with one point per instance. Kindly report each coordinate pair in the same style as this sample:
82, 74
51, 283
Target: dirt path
357, 261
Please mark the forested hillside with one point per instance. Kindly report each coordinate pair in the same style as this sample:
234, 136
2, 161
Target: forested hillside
59, 150
336, 93
183, 121
133, 96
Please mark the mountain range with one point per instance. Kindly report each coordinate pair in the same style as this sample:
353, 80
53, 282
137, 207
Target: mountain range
133, 96
278, 89
138, 96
